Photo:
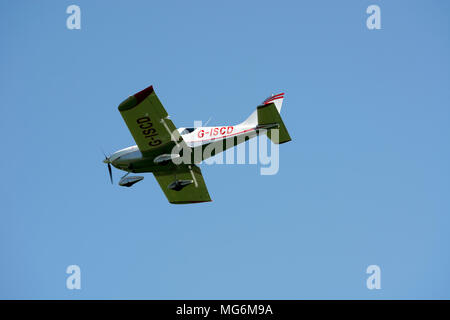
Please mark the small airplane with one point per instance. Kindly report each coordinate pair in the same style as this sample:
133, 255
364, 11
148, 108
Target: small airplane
160, 146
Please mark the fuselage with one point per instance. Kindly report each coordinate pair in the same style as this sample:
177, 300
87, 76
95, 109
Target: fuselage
213, 140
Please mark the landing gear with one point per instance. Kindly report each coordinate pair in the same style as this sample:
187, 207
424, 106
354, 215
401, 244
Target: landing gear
129, 181
177, 185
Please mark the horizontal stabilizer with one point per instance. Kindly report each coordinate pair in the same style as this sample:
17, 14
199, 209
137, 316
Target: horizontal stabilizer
269, 117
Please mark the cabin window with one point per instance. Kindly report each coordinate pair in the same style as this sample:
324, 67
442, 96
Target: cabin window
187, 130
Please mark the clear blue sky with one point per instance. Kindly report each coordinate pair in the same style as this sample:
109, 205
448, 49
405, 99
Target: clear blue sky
365, 180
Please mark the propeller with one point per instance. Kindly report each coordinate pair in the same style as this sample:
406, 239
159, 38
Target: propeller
110, 173
108, 162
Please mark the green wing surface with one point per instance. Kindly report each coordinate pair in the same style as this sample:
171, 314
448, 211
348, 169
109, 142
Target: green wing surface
192, 193
148, 121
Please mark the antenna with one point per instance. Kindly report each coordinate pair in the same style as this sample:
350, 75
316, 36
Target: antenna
207, 122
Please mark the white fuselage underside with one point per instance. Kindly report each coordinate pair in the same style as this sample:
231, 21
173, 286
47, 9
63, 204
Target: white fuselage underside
198, 138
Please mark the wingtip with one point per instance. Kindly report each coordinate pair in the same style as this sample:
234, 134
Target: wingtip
135, 99
141, 95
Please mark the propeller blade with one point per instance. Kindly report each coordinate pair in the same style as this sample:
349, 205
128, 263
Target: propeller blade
110, 173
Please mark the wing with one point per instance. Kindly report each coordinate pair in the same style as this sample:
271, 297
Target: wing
193, 192
148, 121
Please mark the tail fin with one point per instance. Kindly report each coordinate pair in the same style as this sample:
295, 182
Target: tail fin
267, 116
277, 100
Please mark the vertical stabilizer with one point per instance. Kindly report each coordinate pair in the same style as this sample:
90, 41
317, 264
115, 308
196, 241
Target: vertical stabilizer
277, 100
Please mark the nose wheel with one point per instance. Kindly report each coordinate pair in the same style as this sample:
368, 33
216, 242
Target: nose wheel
126, 181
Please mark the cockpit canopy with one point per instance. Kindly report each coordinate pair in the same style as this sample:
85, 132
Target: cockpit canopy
186, 130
